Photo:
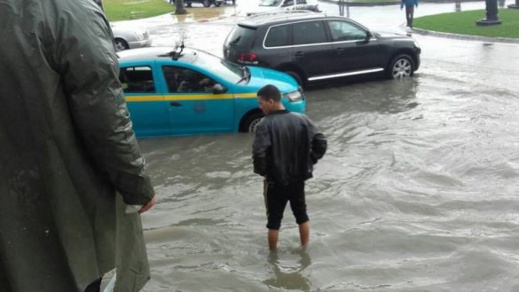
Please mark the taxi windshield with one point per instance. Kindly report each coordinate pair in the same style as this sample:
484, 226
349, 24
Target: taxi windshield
220, 67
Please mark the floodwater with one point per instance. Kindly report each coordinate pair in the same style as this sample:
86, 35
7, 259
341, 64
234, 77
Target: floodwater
417, 192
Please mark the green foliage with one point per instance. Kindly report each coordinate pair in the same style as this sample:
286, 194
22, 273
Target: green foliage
134, 9
465, 23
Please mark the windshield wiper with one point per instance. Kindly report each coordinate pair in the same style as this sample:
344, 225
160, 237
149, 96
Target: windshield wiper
245, 75
235, 40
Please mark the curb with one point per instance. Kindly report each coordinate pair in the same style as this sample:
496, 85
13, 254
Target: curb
462, 36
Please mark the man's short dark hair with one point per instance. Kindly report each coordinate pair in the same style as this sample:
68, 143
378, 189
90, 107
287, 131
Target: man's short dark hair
269, 92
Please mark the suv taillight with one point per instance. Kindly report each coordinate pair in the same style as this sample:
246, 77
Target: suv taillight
247, 58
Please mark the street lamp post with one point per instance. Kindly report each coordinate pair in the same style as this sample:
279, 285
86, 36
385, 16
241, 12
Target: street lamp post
492, 18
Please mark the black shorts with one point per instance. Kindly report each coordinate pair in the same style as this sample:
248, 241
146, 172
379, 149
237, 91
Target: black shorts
276, 198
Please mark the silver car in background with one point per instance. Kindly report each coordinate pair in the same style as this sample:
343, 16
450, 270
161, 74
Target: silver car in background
130, 38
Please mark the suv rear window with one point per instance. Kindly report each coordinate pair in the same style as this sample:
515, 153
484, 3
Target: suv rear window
241, 36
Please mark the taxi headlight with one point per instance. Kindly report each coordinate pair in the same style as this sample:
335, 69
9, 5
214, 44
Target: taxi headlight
294, 96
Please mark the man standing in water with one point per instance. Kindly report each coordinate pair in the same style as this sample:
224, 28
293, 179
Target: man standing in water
286, 146
70, 162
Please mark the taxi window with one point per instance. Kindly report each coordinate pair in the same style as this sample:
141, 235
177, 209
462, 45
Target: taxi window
137, 79
183, 80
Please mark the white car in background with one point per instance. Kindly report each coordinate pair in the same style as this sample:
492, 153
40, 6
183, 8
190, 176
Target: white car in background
130, 38
267, 6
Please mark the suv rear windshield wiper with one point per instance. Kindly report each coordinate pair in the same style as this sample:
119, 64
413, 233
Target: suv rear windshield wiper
233, 42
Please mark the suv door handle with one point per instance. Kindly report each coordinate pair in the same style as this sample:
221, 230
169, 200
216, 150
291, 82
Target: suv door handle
175, 104
300, 54
339, 51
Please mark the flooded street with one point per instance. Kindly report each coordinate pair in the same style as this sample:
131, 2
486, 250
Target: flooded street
417, 192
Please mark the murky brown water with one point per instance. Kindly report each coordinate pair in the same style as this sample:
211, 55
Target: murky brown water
418, 191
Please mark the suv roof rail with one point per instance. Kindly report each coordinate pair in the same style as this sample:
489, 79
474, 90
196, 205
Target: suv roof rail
284, 12
267, 17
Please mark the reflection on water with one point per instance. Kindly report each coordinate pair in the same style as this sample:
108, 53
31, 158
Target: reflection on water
202, 14
287, 274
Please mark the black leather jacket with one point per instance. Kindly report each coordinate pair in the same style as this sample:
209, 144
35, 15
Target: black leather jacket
286, 146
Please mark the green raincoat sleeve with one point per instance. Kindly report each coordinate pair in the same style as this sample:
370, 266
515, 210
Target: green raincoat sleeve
82, 52
69, 157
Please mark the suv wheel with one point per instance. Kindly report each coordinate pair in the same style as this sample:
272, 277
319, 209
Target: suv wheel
206, 3
400, 67
249, 122
296, 76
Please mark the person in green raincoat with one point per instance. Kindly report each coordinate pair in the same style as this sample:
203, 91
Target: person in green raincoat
69, 159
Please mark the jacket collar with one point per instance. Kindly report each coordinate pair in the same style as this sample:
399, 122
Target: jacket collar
278, 112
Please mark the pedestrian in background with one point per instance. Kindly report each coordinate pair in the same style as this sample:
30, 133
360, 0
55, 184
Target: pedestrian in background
70, 163
409, 10
286, 147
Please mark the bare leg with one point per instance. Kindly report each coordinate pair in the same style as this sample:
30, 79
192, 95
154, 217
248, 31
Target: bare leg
304, 233
273, 239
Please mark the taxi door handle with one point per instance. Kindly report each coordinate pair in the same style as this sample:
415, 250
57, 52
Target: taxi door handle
175, 104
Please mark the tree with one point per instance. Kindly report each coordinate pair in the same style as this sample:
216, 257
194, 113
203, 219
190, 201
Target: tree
491, 13
180, 8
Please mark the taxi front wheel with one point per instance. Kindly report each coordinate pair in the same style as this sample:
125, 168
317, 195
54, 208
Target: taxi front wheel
250, 122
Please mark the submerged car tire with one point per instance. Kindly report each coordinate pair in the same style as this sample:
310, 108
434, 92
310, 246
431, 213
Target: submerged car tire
401, 66
121, 45
249, 122
217, 4
206, 3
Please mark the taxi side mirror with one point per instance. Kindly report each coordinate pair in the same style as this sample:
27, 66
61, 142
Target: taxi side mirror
219, 89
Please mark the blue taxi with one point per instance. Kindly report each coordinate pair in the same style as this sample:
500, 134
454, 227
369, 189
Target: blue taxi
180, 91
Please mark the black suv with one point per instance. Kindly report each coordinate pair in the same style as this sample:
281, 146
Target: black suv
312, 46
